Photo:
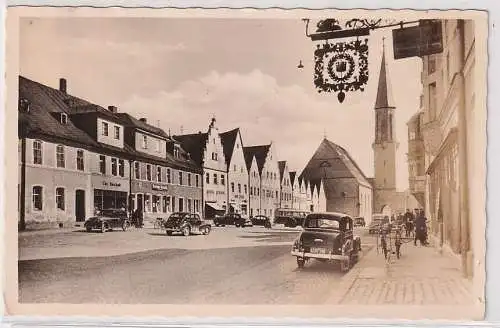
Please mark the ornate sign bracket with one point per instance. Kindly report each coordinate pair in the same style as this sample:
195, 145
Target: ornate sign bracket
342, 66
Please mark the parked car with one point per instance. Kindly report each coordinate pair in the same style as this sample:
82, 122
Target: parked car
375, 224
359, 222
186, 224
260, 220
232, 219
108, 219
327, 237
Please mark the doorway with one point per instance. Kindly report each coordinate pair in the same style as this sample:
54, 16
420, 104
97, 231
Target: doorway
80, 205
181, 205
140, 202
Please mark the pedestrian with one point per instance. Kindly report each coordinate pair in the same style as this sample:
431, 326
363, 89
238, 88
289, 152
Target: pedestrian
408, 218
420, 229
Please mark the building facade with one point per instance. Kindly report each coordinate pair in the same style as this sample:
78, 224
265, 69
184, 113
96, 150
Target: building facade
416, 158
450, 124
237, 172
286, 188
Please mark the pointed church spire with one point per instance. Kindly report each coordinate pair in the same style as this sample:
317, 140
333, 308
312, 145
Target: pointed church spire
384, 91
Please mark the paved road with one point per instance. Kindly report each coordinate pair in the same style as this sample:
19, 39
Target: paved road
263, 273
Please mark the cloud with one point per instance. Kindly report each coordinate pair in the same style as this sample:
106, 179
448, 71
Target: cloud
293, 119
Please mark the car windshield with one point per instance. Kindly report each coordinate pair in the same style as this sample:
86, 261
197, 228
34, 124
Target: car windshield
176, 217
322, 223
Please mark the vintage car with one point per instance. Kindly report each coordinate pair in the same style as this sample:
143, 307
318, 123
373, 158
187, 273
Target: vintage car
261, 220
186, 224
232, 219
108, 219
359, 222
375, 223
327, 237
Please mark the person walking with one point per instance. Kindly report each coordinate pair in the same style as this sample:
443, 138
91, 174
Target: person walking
421, 229
408, 218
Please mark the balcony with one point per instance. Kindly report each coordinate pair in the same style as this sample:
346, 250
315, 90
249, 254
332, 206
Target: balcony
417, 188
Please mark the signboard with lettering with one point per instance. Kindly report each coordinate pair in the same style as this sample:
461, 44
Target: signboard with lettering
159, 187
109, 183
417, 41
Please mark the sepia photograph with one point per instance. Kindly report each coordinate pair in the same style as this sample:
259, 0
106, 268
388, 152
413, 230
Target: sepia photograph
247, 162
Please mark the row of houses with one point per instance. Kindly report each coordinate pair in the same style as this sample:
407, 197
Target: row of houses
77, 157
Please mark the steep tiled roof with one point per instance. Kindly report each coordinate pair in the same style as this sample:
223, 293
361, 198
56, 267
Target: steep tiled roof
260, 153
248, 157
293, 174
40, 121
330, 161
194, 144
130, 121
281, 168
228, 139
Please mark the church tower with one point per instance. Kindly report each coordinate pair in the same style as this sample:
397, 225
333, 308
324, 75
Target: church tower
385, 144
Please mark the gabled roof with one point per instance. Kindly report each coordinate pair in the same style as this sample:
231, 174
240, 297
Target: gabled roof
194, 144
281, 168
384, 91
130, 121
228, 139
260, 153
330, 161
293, 174
40, 121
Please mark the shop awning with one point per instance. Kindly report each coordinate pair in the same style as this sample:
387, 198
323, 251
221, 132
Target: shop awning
215, 206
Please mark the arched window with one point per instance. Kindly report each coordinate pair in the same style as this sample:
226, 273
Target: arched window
60, 156
37, 152
60, 203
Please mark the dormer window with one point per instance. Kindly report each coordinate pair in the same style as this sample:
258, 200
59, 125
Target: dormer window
145, 142
177, 151
63, 118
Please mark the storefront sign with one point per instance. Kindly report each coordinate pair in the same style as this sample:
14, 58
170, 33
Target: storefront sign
159, 187
111, 184
417, 41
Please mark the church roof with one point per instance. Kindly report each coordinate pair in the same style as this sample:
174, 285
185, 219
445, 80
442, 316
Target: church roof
384, 91
330, 161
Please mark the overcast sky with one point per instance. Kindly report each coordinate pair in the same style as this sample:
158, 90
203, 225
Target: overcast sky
180, 72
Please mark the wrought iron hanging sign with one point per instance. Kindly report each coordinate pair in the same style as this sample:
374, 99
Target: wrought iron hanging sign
341, 66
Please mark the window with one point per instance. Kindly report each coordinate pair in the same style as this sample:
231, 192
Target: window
156, 204
165, 204
148, 172
37, 198
189, 179
189, 208
117, 132
215, 179
234, 167
214, 156
277, 194
173, 203
37, 152
114, 167
64, 118
222, 180
232, 186
147, 202
145, 142
121, 167
241, 169
239, 188
60, 198
197, 180
158, 173
181, 182
432, 101
169, 178
157, 146
176, 151
102, 164
137, 170
60, 156
105, 129
80, 164
207, 178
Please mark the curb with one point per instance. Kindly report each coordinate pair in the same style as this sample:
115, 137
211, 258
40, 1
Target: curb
348, 281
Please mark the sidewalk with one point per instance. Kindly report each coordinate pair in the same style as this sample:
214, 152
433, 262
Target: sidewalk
421, 278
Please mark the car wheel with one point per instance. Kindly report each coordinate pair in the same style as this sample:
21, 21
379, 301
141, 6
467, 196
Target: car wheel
104, 227
125, 225
88, 228
169, 233
206, 230
186, 231
300, 262
345, 265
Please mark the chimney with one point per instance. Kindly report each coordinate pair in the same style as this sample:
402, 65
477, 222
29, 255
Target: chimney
112, 109
143, 120
62, 85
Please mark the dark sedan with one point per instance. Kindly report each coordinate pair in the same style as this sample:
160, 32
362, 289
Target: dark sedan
108, 219
261, 220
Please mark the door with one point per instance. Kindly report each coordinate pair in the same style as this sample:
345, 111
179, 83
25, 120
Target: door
140, 202
181, 205
80, 205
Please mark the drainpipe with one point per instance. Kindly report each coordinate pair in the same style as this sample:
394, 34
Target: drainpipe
462, 161
22, 203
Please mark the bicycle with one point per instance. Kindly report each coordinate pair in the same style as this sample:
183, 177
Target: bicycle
159, 222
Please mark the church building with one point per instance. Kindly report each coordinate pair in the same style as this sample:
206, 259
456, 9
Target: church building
387, 199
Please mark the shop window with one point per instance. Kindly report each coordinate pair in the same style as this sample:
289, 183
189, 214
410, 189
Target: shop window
189, 179
114, 166
169, 178
181, 182
60, 156
37, 198
37, 152
222, 180
158, 173
60, 199
105, 129
80, 163
137, 170
165, 204
102, 164
121, 167
148, 172
117, 132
